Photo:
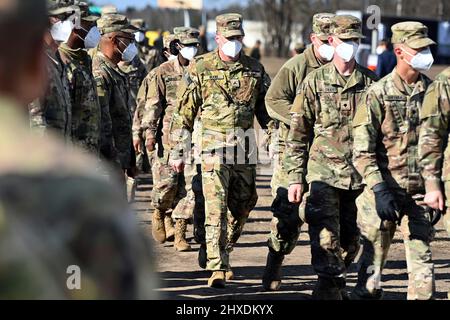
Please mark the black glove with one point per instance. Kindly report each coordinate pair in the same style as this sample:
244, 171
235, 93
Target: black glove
387, 207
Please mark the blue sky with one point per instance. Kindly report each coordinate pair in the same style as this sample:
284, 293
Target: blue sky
122, 4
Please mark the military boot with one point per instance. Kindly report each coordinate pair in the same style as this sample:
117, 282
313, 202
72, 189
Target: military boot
229, 274
170, 230
131, 189
272, 274
217, 280
364, 294
202, 256
328, 289
158, 229
180, 243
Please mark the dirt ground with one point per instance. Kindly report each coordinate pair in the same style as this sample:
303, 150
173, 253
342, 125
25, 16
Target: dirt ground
182, 278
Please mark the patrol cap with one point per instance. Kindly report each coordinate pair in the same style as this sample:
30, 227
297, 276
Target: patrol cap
230, 25
412, 33
30, 12
115, 23
321, 24
168, 39
346, 27
189, 36
60, 7
138, 23
85, 14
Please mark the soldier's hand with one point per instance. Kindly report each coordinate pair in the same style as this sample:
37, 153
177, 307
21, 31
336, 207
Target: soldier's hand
295, 193
435, 200
137, 145
177, 165
386, 205
150, 144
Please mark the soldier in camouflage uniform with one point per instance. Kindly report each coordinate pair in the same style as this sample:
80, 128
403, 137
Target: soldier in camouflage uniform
170, 189
53, 111
83, 90
227, 88
319, 152
58, 217
434, 160
286, 224
117, 41
433, 149
386, 129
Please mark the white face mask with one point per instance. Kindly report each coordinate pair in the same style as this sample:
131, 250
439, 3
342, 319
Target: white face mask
139, 36
347, 50
129, 53
232, 48
380, 50
92, 38
61, 30
421, 61
171, 57
326, 52
188, 52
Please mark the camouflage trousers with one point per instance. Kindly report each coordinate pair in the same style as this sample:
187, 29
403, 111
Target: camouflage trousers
173, 191
226, 187
377, 237
284, 228
446, 217
331, 216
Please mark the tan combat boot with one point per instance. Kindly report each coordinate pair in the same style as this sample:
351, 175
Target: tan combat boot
180, 243
272, 273
158, 229
170, 230
229, 274
217, 280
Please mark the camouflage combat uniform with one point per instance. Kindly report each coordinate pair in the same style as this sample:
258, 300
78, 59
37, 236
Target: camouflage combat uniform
434, 159
115, 100
386, 129
136, 72
279, 100
228, 95
53, 112
320, 143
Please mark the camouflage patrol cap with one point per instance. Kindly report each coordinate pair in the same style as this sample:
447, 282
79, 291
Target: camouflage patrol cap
189, 36
321, 24
115, 23
413, 34
346, 27
60, 7
85, 14
19, 11
168, 39
109, 10
138, 23
230, 25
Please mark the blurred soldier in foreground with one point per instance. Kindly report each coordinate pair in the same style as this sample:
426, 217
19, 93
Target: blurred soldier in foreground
286, 223
117, 44
53, 111
86, 113
319, 152
227, 89
433, 145
386, 129
57, 217
171, 190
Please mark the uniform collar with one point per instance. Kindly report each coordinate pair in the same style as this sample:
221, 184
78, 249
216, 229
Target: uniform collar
419, 87
233, 66
310, 57
111, 65
78, 54
355, 79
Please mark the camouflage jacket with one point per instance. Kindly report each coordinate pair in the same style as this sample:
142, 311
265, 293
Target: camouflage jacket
86, 113
136, 73
434, 131
143, 93
227, 96
58, 214
53, 111
386, 128
160, 103
320, 139
151, 57
112, 88
284, 88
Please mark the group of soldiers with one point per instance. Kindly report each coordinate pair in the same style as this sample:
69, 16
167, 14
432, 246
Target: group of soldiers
354, 156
